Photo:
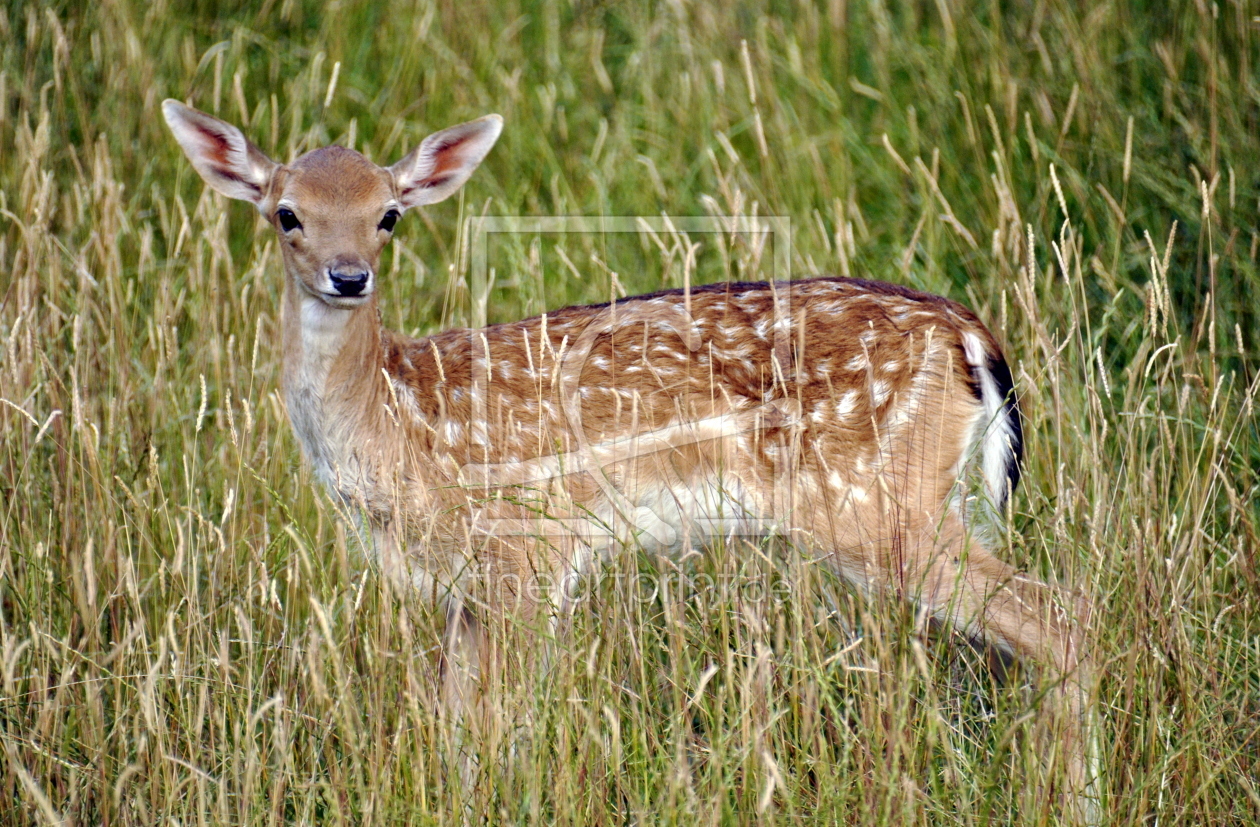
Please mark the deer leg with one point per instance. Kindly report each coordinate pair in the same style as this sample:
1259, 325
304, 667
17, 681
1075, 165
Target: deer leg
492, 634
962, 584
463, 650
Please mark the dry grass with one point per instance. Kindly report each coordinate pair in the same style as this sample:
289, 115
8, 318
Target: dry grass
187, 637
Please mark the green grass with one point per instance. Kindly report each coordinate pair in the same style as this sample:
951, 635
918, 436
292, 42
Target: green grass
187, 636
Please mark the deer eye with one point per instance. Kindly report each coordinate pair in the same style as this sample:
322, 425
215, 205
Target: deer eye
288, 221
387, 223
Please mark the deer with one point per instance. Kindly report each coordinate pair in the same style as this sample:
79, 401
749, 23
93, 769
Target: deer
846, 416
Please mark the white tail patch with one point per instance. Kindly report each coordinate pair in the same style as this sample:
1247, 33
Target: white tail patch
997, 432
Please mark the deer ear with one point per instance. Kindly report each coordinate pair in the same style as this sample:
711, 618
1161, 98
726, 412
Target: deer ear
228, 162
444, 161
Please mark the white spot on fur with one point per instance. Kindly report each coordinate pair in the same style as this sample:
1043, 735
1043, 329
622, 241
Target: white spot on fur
406, 396
880, 391
846, 404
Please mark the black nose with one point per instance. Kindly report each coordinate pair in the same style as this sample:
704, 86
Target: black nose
351, 283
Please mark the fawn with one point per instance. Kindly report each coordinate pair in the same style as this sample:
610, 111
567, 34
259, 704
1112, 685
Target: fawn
842, 414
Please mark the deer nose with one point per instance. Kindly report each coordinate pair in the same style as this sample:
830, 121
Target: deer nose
349, 281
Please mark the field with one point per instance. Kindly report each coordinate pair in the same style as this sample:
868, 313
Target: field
188, 632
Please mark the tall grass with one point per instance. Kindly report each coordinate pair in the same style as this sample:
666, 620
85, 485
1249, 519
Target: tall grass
187, 636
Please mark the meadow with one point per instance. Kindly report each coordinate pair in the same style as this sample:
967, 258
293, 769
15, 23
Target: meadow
188, 632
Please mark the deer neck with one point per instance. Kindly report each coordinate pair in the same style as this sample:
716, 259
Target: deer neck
333, 381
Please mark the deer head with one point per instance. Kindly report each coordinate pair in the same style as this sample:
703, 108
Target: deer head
333, 209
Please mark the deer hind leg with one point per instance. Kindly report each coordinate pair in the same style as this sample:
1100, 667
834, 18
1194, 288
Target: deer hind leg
955, 578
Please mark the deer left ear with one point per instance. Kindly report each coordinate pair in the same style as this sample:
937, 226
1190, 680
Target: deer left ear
444, 161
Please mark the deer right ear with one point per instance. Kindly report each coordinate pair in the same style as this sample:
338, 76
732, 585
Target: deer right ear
228, 162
